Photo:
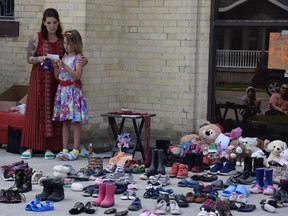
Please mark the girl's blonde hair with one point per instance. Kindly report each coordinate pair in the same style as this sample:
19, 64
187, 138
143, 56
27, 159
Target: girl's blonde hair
74, 39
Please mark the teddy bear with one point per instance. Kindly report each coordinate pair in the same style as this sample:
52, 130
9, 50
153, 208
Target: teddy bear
275, 148
283, 158
252, 144
241, 154
207, 134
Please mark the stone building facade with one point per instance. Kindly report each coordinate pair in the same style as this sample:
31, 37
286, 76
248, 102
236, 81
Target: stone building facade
147, 55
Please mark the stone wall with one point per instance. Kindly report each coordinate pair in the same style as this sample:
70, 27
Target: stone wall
150, 56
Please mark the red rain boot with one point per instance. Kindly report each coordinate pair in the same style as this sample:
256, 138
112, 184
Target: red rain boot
101, 194
109, 196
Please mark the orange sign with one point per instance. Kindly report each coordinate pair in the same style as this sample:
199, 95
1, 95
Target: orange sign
278, 51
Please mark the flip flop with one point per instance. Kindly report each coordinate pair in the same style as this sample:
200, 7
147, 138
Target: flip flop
228, 191
242, 189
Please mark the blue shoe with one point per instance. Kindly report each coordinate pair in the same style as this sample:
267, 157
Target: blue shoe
120, 188
60, 154
71, 156
135, 205
228, 169
218, 166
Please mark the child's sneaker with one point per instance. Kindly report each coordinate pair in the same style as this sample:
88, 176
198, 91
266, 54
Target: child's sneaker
70, 156
174, 170
182, 171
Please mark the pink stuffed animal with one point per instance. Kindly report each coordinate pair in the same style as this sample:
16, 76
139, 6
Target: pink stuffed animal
235, 133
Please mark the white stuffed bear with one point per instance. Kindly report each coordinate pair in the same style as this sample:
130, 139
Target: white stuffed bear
275, 148
283, 158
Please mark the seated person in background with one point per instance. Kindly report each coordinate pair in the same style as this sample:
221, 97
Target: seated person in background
278, 102
250, 100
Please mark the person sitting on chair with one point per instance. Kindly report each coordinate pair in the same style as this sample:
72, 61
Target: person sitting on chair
250, 101
278, 102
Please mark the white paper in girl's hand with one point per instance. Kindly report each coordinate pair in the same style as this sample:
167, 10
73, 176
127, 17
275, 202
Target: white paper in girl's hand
52, 56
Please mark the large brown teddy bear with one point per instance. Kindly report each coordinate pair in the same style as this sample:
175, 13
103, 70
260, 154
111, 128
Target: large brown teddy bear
207, 134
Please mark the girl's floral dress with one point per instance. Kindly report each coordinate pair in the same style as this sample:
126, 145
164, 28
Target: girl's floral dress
70, 103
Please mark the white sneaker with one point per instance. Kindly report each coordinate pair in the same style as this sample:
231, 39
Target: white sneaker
174, 208
161, 207
163, 180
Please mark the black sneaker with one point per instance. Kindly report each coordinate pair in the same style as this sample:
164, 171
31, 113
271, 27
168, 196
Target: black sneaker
15, 196
4, 196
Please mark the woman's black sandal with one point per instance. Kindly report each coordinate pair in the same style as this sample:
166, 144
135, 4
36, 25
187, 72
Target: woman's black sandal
89, 208
77, 209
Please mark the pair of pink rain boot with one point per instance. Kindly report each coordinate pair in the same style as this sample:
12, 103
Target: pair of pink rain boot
106, 195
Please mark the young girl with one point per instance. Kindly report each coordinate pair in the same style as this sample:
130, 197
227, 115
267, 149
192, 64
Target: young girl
70, 103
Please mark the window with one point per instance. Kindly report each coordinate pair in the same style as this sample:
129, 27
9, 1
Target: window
8, 27
6, 9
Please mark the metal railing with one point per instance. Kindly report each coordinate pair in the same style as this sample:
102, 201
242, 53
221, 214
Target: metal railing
238, 58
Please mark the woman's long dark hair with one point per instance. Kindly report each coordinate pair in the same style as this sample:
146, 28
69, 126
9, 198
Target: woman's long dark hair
50, 12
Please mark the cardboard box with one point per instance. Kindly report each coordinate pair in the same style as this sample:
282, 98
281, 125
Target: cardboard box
13, 96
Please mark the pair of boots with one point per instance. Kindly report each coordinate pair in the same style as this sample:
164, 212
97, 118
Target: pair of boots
164, 145
53, 189
157, 163
105, 195
195, 162
250, 165
23, 180
266, 187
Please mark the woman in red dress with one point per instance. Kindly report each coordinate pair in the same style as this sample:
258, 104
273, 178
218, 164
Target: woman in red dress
40, 132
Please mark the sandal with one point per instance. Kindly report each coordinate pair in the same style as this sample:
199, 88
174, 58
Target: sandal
39, 206
36, 177
88, 208
77, 209
26, 154
70, 156
49, 155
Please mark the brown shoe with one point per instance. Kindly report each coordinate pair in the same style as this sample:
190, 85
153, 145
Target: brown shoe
121, 213
202, 198
190, 197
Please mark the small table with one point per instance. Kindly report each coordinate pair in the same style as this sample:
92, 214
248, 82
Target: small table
118, 130
235, 108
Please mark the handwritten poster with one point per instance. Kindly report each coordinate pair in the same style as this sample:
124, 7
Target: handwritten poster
278, 51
